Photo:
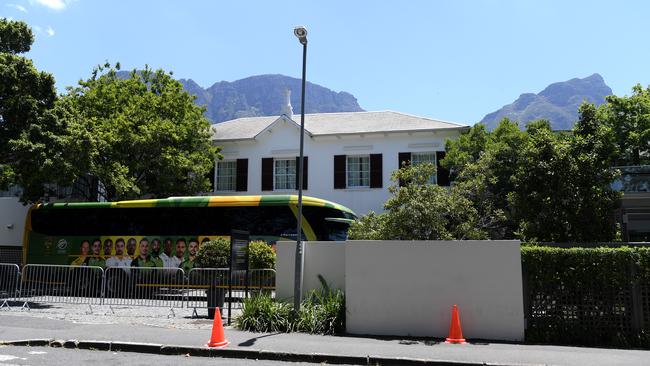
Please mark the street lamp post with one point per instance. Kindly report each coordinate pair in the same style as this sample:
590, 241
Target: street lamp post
301, 33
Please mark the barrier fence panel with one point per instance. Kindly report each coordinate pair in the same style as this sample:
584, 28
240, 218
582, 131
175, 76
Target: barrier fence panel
137, 286
207, 288
9, 280
61, 284
262, 281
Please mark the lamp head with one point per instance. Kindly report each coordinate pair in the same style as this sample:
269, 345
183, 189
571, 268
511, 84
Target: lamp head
301, 32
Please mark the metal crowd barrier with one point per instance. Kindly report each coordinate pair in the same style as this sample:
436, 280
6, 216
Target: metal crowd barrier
132, 286
207, 288
262, 280
61, 284
151, 287
9, 281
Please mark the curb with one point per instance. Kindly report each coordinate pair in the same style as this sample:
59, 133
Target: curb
317, 358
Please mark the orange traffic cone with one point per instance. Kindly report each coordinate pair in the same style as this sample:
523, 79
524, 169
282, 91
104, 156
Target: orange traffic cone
455, 333
218, 339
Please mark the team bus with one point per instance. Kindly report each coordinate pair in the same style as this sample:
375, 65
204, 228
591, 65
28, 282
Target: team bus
95, 234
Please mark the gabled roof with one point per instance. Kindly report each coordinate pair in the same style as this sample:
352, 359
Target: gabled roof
325, 124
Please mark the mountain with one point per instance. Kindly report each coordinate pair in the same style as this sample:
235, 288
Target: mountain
263, 95
558, 103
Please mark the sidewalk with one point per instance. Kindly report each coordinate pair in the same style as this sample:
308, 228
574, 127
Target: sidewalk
150, 333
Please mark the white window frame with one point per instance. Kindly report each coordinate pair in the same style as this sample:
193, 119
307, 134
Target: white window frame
231, 176
290, 178
347, 171
434, 178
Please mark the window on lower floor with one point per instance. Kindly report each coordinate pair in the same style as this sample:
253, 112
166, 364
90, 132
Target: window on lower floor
284, 173
358, 171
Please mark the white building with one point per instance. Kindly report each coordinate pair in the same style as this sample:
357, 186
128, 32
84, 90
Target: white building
349, 157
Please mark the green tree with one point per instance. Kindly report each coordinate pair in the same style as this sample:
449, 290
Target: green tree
483, 164
420, 210
30, 142
629, 119
140, 136
563, 184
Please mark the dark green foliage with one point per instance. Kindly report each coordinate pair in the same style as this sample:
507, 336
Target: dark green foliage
15, 36
261, 313
322, 312
30, 136
261, 255
539, 185
139, 136
583, 296
216, 254
420, 210
213, 254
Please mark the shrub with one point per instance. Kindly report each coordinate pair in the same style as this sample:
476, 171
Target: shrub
213, 254
322, 312
261, 255
584, 296
261, 313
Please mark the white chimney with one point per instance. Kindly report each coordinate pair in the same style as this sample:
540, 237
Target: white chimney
286, 108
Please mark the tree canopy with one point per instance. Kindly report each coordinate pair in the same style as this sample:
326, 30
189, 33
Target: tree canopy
29, 132
139, 136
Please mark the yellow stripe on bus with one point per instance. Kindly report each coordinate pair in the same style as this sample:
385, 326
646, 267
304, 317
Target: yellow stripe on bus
309, 232
231, 201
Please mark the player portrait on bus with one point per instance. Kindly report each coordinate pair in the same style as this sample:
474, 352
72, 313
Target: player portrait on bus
180, 253
96, 259
130, 247
84, 251
143, 259
166, 255
193, 247
108, 248
119, 259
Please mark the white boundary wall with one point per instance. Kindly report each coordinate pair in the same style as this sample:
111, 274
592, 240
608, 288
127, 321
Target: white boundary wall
12, 221
326, 258
407, 288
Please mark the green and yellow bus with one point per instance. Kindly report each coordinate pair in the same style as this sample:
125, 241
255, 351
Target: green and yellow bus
90, 233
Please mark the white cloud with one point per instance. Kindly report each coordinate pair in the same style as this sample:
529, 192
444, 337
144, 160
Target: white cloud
18, 7
52, 4
50, 31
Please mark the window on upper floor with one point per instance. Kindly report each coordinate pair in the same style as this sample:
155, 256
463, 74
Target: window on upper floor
425, 157
226, 175
284, 174
358, 171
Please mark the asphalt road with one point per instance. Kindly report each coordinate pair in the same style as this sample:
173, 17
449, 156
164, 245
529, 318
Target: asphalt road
36, 356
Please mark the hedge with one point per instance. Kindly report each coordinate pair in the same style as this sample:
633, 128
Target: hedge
587, 296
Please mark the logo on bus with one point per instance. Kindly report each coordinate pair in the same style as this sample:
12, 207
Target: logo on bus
62, 244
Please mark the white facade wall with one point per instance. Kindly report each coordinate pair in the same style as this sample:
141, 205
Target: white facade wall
282, 140
12, 221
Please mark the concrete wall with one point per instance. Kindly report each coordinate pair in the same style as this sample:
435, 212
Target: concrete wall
326, 258
12, 221
408, 288
282, 142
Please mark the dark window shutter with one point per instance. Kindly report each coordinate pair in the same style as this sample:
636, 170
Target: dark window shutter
403, 158
305, 170
339, 172
376, 175
242, 175
441, 173
267, 174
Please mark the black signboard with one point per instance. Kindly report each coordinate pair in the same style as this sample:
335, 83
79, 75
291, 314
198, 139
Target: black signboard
238, 263
239, 250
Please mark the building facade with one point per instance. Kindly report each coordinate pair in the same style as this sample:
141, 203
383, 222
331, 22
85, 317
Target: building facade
349, 157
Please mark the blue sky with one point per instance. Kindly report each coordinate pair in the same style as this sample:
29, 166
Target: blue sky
452, 60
